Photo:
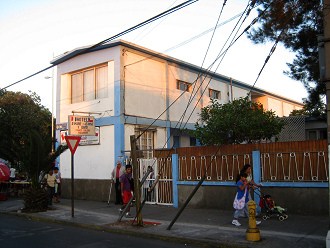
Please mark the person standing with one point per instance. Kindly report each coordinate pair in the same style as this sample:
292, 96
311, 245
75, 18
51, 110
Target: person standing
241, 209
12, 176
57, 174
126, 181
147, 184
242, 194
50, 181
247, 168
116, 173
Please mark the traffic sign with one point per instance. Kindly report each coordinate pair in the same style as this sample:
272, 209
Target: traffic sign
73, 142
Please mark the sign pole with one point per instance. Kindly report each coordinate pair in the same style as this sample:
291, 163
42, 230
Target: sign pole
73, 142
72, 185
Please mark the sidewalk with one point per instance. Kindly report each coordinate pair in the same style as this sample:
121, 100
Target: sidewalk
208, 226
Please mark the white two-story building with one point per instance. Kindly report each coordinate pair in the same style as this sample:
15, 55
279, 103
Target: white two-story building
131, 90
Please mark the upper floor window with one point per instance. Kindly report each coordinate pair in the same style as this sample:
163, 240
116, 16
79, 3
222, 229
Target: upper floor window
214, 94
89, 84
184, 86
145, 142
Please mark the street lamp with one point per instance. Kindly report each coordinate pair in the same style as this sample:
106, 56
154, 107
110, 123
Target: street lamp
52, 77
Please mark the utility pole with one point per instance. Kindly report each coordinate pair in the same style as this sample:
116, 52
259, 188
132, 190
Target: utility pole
326, 79
137, 188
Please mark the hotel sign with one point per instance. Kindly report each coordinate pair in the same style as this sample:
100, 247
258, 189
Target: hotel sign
81, 125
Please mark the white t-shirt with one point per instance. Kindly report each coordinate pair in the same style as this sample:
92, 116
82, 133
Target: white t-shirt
12, 172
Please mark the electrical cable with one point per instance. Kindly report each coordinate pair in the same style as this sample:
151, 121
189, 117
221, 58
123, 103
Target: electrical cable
272, 50
165, 13
245, 30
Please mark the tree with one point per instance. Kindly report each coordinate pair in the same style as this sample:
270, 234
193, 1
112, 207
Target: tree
296, 24
235, 122
26, 140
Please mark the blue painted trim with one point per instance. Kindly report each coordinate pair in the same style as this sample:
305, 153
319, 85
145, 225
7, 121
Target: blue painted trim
207, 183
175, 176
168, 137
119, 130
296, 184
256, 169
110, 120
119, 140
264, 184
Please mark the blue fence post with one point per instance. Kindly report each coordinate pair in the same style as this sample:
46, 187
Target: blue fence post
256, 168
175, 179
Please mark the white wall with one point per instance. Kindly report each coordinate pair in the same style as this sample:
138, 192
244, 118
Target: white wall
91, 162
145, 86
275, 105
63, 96
187, 103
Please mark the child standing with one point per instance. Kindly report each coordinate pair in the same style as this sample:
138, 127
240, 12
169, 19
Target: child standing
126, 188
57, 185
242, 191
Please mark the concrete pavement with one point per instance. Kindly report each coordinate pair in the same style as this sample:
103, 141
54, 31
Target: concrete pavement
210, 227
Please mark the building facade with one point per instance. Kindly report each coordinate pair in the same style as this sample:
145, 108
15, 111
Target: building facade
131, 90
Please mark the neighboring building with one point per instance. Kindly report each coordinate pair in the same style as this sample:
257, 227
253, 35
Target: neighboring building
131, 90
300, 128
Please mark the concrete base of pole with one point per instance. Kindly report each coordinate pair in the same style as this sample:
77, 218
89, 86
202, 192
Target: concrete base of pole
327, 241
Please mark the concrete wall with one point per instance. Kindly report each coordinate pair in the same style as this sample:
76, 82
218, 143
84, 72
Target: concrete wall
88, 189
296, 200
306, 201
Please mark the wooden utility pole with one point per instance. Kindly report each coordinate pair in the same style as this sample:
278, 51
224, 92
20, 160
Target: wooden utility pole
326, 79
137, 188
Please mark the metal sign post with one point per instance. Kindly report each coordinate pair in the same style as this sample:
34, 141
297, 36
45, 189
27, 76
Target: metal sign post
73, 142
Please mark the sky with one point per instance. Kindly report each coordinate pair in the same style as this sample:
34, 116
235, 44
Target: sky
32, 32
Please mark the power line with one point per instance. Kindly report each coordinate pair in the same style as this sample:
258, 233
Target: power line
165, 13
199, 75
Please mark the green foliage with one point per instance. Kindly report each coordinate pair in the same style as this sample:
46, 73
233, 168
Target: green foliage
302, 22
25, 134
317, 111
35, 200
235, 122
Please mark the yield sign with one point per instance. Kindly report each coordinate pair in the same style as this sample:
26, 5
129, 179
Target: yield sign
73, 142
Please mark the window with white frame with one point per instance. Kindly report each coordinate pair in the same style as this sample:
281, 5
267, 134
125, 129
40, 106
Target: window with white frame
214, 94
145, 142
184, 86
89, 84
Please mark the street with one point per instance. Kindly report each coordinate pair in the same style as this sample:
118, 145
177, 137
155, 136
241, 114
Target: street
17, 232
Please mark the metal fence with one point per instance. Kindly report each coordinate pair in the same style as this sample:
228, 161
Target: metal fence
302, 161
161, 167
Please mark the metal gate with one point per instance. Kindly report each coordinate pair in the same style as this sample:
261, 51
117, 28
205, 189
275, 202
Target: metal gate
162, 168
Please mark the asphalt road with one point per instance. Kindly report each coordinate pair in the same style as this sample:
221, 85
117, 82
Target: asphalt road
18, 232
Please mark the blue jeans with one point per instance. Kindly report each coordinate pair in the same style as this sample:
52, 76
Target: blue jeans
241, 212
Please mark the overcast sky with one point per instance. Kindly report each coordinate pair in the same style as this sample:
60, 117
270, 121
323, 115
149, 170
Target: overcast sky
33, 31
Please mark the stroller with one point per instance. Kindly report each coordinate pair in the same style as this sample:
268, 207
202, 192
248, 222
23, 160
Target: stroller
269, 209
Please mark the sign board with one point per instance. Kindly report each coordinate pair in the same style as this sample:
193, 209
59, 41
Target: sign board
85, 140
81, 125
61, 126
73, 142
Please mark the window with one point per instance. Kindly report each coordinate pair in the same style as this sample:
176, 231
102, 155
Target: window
145, 142
312, 135
89, 84
193, 141
214, 94
176, 141
184, 86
